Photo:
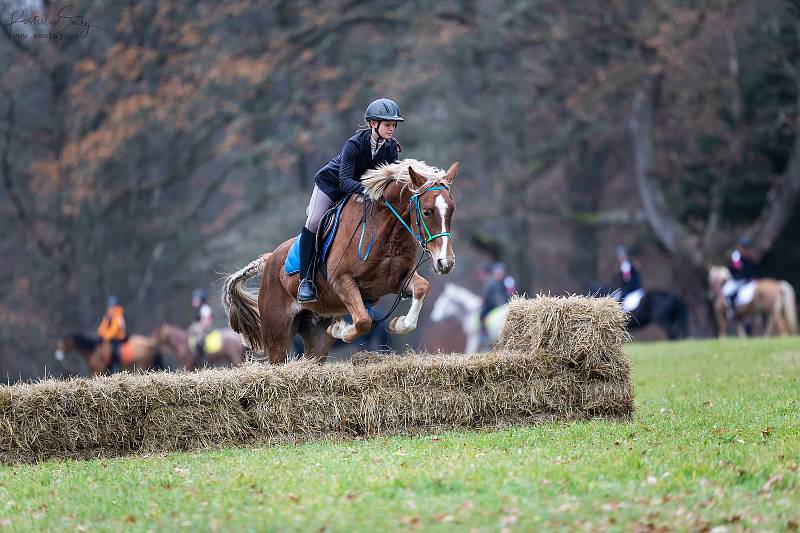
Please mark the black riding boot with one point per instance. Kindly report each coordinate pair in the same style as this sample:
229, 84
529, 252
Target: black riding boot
307, 292
731, 306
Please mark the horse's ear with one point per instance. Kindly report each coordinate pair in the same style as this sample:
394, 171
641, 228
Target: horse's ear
451, 173
416, 180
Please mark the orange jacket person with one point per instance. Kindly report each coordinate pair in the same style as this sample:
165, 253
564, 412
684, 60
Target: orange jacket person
112, 328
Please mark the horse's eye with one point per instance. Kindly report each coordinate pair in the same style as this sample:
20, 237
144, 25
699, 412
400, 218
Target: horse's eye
427, 213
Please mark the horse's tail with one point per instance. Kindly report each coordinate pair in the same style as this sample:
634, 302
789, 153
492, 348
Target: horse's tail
789, 307
241, 305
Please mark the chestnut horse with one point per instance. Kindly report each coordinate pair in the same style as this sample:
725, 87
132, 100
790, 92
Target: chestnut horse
177, 339
407, 206
772, 298
137, 352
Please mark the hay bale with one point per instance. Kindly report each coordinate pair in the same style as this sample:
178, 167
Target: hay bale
577, 331
191, 410
398, 393
548, 369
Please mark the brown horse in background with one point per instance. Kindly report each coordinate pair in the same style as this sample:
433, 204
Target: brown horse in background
137, 352
176, 339
774, 299
420, 196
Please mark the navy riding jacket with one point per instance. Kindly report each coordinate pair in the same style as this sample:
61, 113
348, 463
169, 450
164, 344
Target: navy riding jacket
628, 281
744, 268
342, 175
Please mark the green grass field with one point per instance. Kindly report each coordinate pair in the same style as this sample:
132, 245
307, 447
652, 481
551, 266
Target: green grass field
715, 443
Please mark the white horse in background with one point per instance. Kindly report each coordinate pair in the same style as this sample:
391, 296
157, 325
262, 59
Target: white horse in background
464, 305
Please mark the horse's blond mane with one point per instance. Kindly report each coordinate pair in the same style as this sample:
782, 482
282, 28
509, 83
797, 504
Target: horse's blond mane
718, 273
375, 181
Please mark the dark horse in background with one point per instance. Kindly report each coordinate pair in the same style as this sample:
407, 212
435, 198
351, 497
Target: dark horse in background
659, 307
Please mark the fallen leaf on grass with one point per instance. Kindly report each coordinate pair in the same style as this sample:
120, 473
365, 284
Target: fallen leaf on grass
735, 517
411, 521
767, 487
292, 497
443, 518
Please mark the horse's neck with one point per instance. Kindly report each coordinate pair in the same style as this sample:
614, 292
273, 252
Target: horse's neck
470, 300
390, 227
178, 336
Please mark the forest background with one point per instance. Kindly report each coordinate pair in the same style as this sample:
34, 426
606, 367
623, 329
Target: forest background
148, 147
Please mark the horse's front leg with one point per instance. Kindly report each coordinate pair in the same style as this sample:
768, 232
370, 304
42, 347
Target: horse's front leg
348, 293
722, 320
408, 322
473, 343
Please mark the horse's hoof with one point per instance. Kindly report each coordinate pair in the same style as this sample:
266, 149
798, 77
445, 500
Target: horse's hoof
335, 330
395, 328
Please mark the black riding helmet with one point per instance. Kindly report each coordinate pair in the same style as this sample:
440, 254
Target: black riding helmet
199, 294
383, 109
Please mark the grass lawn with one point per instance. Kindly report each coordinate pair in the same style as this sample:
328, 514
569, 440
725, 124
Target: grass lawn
714, 445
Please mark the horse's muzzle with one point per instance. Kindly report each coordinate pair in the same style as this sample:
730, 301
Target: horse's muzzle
444, 266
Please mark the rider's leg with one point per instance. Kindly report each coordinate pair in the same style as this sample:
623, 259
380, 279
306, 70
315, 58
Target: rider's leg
307, 291
115, 361
201, 349
729, 291
319, 204
485, 310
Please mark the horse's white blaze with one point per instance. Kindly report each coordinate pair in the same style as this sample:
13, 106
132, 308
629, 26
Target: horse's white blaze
441, 203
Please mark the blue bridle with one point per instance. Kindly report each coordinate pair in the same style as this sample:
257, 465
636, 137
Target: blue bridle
413, 204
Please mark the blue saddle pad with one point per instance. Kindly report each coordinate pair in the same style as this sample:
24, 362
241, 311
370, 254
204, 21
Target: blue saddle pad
292, 263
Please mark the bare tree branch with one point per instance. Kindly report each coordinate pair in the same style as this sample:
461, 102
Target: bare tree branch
667, 228
783, 194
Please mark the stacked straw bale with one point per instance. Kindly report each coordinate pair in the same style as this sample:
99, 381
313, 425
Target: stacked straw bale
558, 359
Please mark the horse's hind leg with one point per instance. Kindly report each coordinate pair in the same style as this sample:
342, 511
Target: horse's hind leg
775, 323
670, 329
278, 327
316, 340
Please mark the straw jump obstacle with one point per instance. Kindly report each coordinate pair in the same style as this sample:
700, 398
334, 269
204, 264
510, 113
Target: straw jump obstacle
558, 359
